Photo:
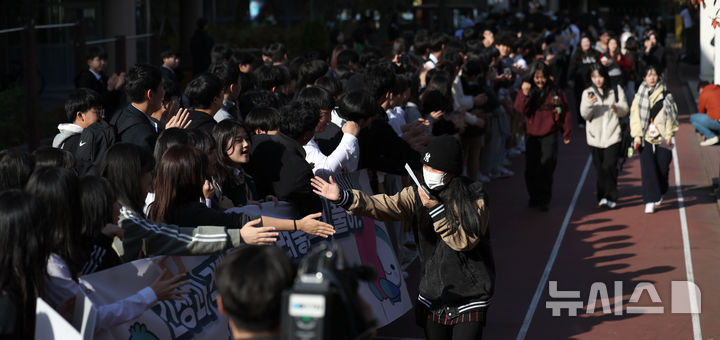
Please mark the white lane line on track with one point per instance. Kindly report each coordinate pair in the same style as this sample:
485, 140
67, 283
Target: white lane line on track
553, 254
697, 332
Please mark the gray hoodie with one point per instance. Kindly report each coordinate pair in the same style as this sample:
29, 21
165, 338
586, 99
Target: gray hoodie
66, 131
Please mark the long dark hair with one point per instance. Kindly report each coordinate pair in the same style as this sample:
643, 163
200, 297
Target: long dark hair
15, 168
180, 176
58, 189
123, 165
224, 133
538, 96
97, 199
460, 194
602, 70
23, 261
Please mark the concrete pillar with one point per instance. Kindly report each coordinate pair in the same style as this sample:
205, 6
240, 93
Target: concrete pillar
119, 19
707, 54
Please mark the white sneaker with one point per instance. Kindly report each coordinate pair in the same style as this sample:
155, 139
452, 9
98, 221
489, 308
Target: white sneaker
611, 204
710, 141
659, 202
649, 208
602, 202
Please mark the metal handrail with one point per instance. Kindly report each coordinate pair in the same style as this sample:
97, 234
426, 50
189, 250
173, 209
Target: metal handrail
139, 36
71, 24
100, 41
14, 29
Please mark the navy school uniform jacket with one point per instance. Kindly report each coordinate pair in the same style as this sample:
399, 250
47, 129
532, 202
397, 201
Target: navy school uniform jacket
133, 126
201, 121
277, 163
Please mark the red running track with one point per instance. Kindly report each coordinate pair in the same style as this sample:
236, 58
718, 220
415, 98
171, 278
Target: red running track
606, 246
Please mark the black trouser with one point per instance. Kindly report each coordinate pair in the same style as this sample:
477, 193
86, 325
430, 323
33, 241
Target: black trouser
655, 168
605, 162
540, 160
460, 331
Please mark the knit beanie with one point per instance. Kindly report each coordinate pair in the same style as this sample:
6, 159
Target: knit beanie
444, 153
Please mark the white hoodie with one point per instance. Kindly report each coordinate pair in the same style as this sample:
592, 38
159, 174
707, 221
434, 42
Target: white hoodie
66, 131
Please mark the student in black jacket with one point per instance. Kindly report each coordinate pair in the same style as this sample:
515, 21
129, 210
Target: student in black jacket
134, 124
83, 108
277, 162
380, 147
94, 78
205, 96
178, 187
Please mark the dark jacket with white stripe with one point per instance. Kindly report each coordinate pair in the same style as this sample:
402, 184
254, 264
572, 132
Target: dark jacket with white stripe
457, 269
147, 238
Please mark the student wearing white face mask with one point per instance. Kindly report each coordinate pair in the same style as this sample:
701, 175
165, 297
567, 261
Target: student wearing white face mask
450, 225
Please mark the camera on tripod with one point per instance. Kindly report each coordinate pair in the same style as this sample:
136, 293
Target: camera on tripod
323, 302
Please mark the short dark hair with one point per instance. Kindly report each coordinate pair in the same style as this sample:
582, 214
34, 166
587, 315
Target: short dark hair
310, 71
358, 105
255, 99
316, 97
297, 119
139, 79
421, 41
250, 281
330, 84
474, 67
169, 54
267, 76
379, 79
220, 53
345, 57
49, 156
81, 100
242, 57
96, 51
227, 73
399, 46
275, 51
437, 40
15, 168
435, 100
202, 90
263, 118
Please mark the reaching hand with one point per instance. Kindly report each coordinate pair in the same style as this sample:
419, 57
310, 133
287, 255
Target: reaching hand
208, 190
351, 127
592, 98
436, 114
322, 188
526, 88
166, 286
257, 235
310, 225
111, 230
179, 120
428, 201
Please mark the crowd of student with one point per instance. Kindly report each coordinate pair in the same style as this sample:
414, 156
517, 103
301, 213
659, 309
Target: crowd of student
154, 166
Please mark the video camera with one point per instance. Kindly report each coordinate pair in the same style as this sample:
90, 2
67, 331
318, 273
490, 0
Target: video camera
323, 302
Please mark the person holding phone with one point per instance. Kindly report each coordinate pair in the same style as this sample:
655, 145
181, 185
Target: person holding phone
602, 105
545, 108
450, 224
